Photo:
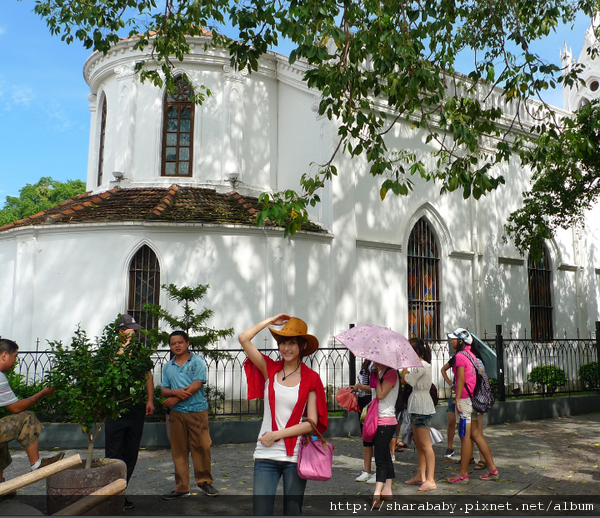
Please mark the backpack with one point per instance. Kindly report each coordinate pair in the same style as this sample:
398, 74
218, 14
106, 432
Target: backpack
482, 397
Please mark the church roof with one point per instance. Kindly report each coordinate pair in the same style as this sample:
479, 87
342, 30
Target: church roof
168, 204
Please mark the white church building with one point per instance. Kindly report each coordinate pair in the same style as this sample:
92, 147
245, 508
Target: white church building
172, 199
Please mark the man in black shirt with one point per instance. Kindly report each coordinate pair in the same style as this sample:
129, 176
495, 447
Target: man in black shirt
123, 435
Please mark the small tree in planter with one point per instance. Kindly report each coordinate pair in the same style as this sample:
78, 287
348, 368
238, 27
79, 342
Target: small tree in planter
98, 380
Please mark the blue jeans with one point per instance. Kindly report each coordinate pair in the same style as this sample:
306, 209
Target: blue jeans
267, 473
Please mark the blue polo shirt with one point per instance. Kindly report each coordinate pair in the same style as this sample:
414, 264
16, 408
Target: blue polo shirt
176, 377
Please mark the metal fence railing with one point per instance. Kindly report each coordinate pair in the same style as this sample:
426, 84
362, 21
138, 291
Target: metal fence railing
517, 358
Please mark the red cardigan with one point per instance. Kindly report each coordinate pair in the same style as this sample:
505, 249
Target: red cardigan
309, 381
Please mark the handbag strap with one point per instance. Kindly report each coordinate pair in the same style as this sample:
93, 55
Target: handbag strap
317, 433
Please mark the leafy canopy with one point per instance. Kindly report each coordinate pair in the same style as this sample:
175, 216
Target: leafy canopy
38, 197
100, 379
374, 63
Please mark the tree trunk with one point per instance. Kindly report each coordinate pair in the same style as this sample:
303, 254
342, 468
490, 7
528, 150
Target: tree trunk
90, 451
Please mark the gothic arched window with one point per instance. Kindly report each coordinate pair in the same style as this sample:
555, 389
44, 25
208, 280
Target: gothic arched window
178, 131
423, 283
102, 137
540, 296
144, 286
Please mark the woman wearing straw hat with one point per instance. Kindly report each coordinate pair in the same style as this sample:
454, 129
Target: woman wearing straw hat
290, 389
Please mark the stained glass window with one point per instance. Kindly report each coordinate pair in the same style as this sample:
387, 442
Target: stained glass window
540, 297
178, 131
144, 286
101, 145
423, 283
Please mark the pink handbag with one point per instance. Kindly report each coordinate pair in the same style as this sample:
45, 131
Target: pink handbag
315, 456
370, 425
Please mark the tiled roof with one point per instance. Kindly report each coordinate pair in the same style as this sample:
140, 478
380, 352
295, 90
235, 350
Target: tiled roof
173, 204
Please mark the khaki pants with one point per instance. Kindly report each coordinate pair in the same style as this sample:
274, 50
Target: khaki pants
190, 434
23, 427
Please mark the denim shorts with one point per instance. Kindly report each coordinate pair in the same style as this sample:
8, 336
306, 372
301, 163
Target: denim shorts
451, 404
421, 420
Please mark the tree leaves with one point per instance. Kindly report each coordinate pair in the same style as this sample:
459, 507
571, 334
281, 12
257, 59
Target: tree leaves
38, 197
97, 380
191, 320
566, 180
375, 65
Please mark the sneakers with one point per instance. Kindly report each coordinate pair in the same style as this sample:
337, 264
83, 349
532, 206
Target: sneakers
208, 489
175, 494
363, 476
449, 453
51, 460
128, 504
371, 479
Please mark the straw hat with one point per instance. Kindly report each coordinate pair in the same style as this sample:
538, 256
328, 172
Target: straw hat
296, 327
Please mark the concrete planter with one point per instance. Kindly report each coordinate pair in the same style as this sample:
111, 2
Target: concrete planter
67, 487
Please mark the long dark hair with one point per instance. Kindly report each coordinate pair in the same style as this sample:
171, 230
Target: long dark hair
421, 348
460, 345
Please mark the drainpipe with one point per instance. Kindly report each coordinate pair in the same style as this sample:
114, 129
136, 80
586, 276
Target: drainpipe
476, 273
578, 289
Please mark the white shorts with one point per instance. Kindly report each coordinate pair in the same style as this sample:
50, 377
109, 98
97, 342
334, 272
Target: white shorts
467, 410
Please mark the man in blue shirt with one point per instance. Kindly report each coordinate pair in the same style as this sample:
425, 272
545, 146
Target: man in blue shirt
183, 386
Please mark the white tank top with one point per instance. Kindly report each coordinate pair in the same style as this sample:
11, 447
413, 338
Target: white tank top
285, 401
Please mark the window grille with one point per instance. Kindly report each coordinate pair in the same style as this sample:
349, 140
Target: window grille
540, 297
144, 286
178, 131
102, 137
423, 283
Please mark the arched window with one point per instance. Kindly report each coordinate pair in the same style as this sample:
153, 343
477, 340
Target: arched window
102, 137
178, 131
540, 296
144, 285
423, 283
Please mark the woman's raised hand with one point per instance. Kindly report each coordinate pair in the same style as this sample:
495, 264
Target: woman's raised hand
280, 319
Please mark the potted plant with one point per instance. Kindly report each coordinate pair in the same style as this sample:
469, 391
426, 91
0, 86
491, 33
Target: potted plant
101, 379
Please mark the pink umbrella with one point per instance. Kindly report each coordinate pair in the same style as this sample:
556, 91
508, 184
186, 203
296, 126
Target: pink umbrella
381, 345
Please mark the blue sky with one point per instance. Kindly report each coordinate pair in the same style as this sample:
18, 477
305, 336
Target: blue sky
44, 115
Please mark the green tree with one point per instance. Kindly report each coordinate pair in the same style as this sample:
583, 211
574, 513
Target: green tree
565, 183
98, 380
375, 63
190, 321
38, 197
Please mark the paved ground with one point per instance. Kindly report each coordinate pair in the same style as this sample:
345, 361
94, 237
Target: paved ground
542, 464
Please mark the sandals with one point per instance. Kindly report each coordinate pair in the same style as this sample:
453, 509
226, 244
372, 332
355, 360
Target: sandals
413, 482
427, 486
458, 479
480, 465
490, 475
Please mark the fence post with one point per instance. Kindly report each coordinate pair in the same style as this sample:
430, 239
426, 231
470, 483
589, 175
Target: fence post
352, 366
598, 351
500, 361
